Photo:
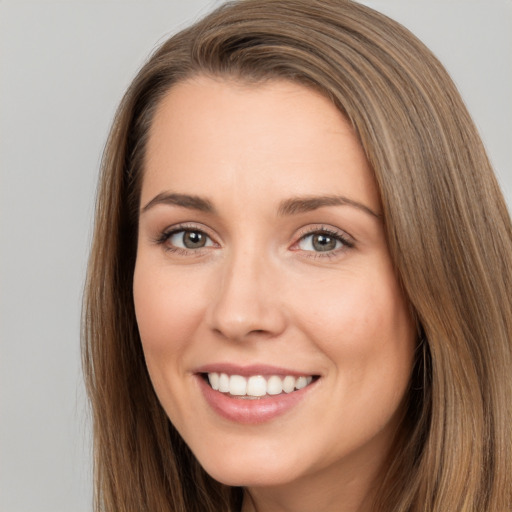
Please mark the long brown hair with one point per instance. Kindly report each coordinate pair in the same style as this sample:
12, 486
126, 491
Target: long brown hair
448, 232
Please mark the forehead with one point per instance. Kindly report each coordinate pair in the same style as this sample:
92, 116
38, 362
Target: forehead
274, 137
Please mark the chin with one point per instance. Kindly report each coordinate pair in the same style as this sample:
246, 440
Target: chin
244, 472
248, 478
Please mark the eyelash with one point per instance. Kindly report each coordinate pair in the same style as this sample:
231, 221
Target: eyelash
345, 241
166, 235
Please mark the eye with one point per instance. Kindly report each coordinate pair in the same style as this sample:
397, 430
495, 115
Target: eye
189, 239
181, 239
323, 241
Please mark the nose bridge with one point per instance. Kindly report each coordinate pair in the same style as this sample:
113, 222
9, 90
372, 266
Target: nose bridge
246, 301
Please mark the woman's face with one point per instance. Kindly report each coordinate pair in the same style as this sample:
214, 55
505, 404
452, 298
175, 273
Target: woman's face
262, 266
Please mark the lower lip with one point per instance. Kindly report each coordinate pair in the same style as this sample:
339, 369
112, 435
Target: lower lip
251, 411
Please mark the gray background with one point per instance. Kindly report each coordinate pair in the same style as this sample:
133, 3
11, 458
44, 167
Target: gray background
63, 67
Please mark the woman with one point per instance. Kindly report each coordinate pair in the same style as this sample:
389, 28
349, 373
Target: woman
298, 292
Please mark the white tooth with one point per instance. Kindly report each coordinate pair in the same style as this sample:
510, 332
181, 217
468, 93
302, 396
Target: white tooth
309, 380
214, 380
288, 384
257, 386
274, 385
301, 382
237, 385
223, 383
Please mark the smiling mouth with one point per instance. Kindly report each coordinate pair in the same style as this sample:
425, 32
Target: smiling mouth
256, 386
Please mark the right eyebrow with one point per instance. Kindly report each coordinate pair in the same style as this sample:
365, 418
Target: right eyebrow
183, 200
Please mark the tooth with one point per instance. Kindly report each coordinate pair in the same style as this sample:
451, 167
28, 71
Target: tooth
288, 384
257, 386
274, 385
214, 380
223, 383
301, 382
237, 385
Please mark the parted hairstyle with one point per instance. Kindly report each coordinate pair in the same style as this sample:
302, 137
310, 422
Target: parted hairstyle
447, 227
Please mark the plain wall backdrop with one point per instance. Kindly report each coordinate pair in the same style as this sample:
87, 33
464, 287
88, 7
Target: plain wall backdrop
64, 66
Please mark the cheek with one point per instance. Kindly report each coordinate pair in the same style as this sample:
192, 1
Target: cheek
167, 309
369, 337
354, 309
363, 325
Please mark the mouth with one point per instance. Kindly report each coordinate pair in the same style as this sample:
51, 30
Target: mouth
254, 394
254, 387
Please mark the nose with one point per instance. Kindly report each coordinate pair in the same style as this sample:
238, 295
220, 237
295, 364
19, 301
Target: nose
246, 303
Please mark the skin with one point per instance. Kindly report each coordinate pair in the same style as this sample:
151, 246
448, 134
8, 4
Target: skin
259, 291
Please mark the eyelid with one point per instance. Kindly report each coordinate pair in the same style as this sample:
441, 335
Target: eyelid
347, 240
164, 235
327, 228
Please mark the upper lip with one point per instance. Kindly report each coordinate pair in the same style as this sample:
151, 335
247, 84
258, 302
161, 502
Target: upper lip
248, 370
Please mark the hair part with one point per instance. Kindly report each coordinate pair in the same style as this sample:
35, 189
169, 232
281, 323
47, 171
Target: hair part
448, 231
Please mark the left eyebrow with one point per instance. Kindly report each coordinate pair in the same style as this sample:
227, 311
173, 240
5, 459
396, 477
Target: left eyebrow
305, 204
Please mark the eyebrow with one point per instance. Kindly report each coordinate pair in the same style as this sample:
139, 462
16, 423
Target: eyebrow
183, 200
305, 204
292, 206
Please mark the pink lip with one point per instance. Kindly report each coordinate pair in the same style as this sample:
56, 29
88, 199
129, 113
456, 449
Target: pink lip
247, 371
250, 411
